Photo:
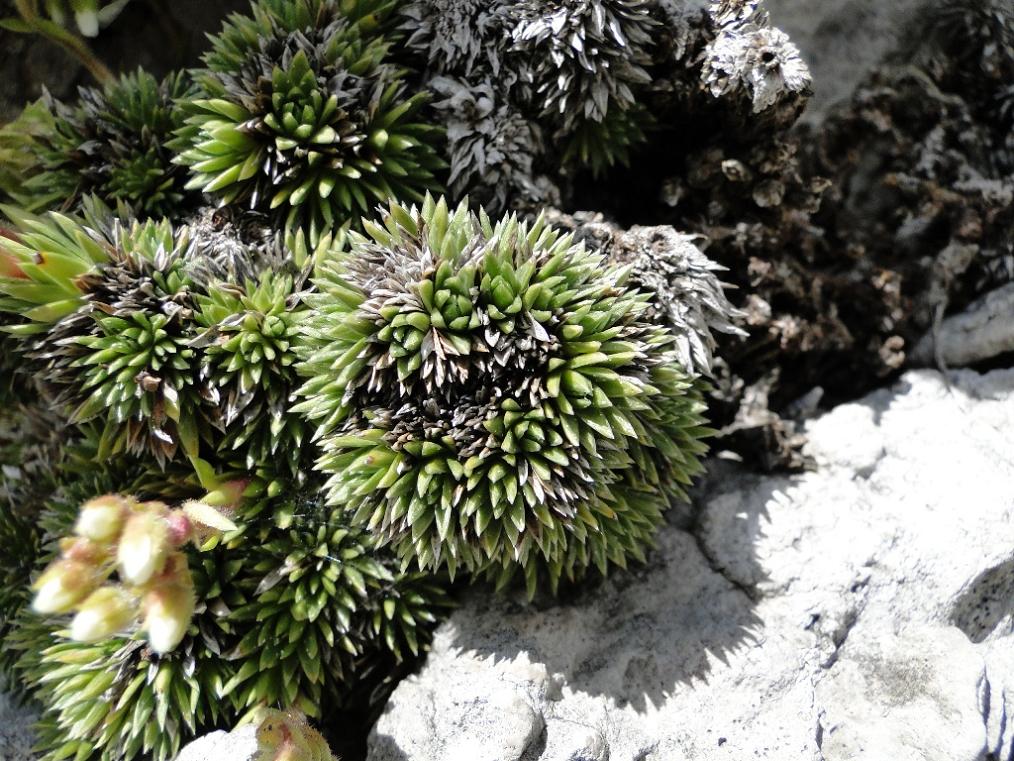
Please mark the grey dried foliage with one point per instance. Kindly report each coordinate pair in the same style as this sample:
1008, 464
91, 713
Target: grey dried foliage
687, 294
593, 79
456, 36
584, 56
766, 439
236, 244
681, 28
493, 143
493, 146
844, 274
749, 58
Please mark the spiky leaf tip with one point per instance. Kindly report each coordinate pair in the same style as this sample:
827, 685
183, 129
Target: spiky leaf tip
489, 395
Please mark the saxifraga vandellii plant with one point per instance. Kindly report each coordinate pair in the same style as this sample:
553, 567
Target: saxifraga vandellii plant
112, 142
290, 610
169, 346
286, 613
249, 358
585, 60
30, 453
106, 308
489, 398
118, 697
301, 110
286, 736
320, 601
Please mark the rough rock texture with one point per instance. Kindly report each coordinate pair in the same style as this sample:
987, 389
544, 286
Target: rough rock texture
238, 745
982, 331
841, 40
16, 736
883, 689
859, 611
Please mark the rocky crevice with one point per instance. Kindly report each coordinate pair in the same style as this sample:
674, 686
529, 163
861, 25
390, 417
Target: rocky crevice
751, 591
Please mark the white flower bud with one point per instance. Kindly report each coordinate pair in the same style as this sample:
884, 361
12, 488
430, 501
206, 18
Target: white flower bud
62, 586
168, 611
106, 611
102, 518
144, 545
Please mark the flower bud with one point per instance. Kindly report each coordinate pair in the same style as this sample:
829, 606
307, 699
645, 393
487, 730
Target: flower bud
63, 585
102, 518
207, 517
106, 611
168, 611
181, 530
82, 550
286, 736
143, 547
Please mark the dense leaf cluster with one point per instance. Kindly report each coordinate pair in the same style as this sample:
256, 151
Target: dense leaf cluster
491, 398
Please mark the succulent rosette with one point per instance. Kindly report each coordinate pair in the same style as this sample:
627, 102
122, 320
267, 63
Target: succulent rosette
316, 600
249, 358
106, 308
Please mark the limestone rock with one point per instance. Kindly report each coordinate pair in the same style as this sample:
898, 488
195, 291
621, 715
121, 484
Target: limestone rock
238, 745
981, 332
16, 738
816, 616
911, 697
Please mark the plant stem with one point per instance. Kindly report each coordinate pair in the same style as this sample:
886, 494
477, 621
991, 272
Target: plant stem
70, 42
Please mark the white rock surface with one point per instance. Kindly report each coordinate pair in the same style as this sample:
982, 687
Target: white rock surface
905, 698
238, 745
860, 611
